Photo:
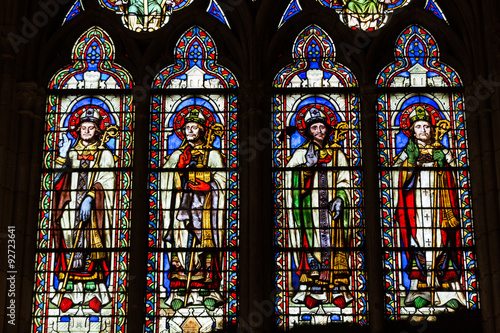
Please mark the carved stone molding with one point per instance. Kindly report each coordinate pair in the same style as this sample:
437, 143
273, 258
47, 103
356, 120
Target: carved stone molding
29, 100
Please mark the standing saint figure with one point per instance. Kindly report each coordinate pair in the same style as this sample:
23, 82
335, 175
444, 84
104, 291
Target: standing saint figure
194, 195
82, 216
428, 217
317, 198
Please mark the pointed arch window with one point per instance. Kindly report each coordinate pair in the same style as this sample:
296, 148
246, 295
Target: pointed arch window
428, 231
81, 272
319, 226
194, 192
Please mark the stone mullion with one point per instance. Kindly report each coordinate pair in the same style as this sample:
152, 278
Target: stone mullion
371, 212
140, 216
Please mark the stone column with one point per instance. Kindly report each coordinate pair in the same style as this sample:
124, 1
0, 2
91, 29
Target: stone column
28, 134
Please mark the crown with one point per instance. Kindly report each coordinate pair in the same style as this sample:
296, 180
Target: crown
195, 116
91, 114
313, 116
420, 114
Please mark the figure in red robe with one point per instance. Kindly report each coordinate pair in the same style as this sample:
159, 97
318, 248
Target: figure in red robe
428, 216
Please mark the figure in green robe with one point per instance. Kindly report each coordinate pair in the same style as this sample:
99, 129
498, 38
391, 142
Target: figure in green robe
317, 198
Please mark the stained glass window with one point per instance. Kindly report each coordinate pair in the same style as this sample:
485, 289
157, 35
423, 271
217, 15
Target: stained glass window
319, 227
145, 15
366, 15
84, 221
194, 192
429, 255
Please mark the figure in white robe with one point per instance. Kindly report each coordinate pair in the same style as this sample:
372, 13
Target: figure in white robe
83, 199
194, 218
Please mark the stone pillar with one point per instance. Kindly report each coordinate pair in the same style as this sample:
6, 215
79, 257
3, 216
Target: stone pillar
29, 108
7, 156
485, 214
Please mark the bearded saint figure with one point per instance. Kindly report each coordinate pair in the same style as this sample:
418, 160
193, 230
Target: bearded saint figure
195, 193
428, 217
317, 198
82, 217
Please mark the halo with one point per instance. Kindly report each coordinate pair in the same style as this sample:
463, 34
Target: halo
180, 118
300, 121
406, 114
74, 119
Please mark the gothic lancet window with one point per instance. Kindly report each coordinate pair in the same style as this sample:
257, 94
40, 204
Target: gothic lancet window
428, 243
325, 187
194, 192
81, 267
319, 226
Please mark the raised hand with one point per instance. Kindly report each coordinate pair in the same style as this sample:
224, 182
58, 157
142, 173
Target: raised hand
64, 146
412, 151
184, 158
312, 156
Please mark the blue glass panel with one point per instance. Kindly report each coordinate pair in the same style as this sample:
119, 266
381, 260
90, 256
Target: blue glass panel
215, 10
433, 7
292, 9
75, 10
